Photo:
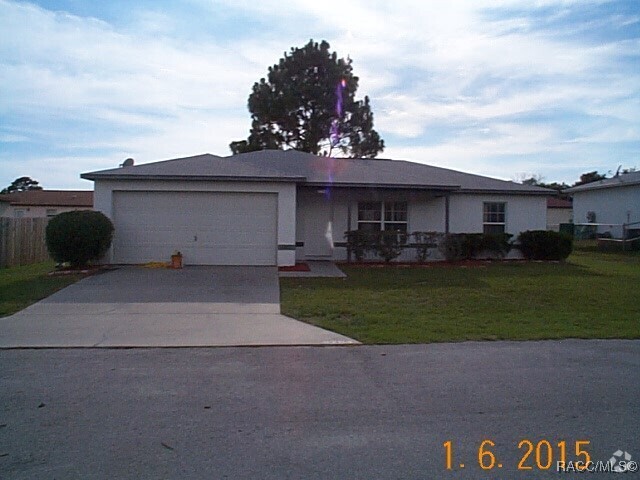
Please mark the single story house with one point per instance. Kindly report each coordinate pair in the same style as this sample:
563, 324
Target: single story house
44, 203
608, 203
559, 210
277, 207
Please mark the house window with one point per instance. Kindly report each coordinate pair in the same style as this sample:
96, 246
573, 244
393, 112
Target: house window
494, 217
395, 216
18, 212
51, 212
378, 216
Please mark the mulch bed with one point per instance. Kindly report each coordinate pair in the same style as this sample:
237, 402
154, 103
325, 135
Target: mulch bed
298, 267
88, 270
435, 264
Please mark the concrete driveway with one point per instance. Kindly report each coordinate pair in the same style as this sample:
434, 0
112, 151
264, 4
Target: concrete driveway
135, 306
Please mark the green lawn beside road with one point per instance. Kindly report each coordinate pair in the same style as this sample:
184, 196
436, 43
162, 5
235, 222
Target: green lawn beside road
591, 295
22, 286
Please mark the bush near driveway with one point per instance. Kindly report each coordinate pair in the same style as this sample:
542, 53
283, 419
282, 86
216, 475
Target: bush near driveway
592, 295
79, 237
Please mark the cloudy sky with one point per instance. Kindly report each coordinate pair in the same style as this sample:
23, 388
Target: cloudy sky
505, 88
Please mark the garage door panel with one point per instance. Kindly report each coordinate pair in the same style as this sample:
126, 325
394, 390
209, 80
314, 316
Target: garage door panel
209, 228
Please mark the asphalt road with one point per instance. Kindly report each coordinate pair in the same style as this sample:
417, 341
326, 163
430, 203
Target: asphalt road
316, 412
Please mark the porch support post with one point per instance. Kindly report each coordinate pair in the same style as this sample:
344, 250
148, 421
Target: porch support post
348, 229
446, 213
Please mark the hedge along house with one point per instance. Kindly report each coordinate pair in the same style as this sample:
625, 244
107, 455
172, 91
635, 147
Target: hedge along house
276, 207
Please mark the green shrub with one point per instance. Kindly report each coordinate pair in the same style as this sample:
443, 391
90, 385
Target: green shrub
466, 246
389, 244
454, 247
496, 243
545, 245
79, 237
359, 243
425, 241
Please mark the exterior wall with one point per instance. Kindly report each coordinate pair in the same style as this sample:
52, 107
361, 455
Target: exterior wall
103, 202
523, 212
34, 211
556, 216
425, 213
613, 206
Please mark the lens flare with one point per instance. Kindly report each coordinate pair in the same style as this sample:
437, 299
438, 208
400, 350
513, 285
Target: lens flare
334, 133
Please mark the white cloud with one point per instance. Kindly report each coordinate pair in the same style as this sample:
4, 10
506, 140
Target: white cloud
149, 91
11, 138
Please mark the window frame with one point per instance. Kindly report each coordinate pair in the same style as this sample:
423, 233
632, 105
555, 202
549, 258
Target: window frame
491, 216
388, 213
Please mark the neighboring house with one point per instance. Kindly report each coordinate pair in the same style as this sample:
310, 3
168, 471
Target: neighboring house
559, 210
44, 203
608, 203
275, 207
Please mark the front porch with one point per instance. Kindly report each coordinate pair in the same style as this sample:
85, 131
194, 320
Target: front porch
325, 215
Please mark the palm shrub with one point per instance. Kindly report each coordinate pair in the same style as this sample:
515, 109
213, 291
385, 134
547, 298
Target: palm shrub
79, 237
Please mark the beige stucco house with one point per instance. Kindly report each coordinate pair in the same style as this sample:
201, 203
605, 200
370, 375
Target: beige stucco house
44, 203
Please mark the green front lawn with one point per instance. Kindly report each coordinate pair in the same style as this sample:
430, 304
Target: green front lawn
22, 286
592, 295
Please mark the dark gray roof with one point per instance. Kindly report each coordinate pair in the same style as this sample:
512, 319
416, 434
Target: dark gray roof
622, 180
307, 169
198, 167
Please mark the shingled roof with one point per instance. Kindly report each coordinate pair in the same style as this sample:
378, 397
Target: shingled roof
622, 180
555, 202
307, 169
49, 198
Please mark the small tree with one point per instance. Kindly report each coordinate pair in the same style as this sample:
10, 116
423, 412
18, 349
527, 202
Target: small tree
590, 177
79, 237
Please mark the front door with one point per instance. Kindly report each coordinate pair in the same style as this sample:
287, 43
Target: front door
319, 229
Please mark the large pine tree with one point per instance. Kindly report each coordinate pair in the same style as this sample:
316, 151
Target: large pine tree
296, 107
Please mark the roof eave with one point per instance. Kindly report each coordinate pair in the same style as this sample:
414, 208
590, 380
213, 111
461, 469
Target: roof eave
588, 187
401, 186
59, 205
234, 178
497, 191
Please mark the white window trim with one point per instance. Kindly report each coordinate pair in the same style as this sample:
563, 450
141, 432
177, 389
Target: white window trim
382, 222
503, 223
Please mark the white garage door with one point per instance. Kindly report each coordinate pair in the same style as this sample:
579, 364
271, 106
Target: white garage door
208, 228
